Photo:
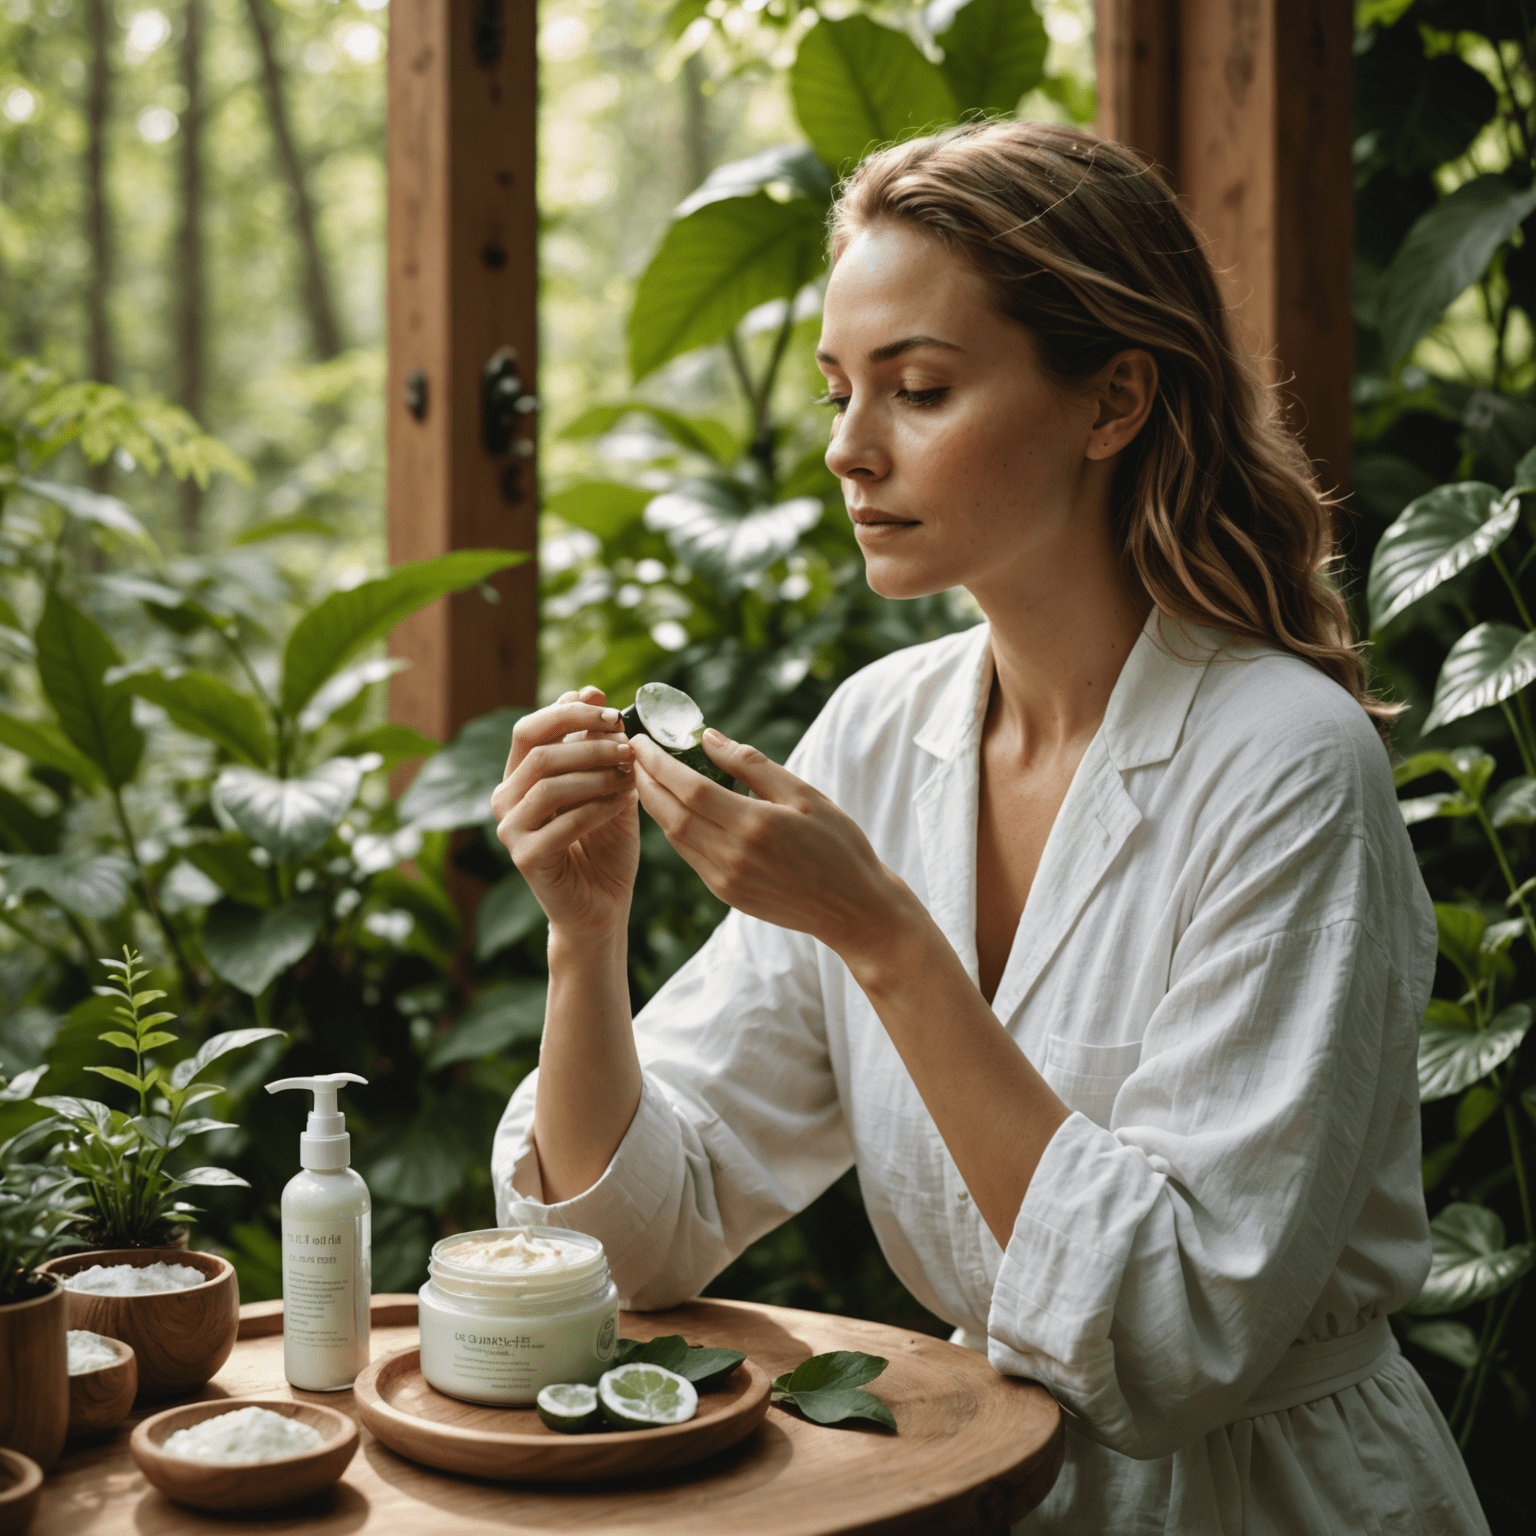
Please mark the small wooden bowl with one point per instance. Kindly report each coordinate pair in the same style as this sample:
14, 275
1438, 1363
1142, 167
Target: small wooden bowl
181, 1338
99, 1400
244, 1485
21, 1486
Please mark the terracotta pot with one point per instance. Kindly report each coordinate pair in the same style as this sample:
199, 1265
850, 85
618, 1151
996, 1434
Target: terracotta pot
21, 1486
181, 1338
99, 1400
34, 1375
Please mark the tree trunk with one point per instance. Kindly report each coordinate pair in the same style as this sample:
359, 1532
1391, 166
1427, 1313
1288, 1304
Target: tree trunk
98, 213
698, 162
190, 276
319, 306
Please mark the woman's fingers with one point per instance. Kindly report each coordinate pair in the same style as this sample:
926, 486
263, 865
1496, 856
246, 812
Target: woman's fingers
764, 777
561, 757
544, 847
572, 713
702, 797
547, 798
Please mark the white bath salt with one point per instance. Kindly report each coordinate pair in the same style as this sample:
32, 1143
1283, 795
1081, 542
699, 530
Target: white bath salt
90, 1351
515, 1253
243, 1435
134, 1279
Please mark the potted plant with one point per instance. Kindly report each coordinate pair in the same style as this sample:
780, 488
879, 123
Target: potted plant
37, 1221
130, 1204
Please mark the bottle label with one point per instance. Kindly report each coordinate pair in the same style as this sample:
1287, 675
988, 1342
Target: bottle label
320, 1281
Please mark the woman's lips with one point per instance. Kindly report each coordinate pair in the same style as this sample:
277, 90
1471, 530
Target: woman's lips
872, 525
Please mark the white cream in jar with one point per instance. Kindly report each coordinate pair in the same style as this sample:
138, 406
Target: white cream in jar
506, 1313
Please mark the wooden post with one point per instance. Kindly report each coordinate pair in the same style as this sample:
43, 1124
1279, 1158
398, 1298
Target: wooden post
1245, 104
462, 287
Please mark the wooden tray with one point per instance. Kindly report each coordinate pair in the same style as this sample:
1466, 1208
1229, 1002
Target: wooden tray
515, 1445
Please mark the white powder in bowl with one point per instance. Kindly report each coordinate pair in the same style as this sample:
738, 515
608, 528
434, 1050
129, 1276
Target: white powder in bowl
90, 1351
242, 1435
134, 1279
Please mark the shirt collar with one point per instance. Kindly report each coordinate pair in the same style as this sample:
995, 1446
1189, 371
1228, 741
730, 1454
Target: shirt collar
1147, 706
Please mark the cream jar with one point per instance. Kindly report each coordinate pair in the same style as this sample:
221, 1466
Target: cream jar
507, 1313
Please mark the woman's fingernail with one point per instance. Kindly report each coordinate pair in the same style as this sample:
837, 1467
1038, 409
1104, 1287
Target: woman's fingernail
715, 739
610, 717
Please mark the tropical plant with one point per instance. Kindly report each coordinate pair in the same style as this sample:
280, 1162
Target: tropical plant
37, 1216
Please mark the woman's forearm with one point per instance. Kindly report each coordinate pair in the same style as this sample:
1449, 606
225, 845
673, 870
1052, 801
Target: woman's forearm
589, 1071
993, 1109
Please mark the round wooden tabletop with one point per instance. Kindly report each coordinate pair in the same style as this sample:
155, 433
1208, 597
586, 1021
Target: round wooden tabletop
974, 1451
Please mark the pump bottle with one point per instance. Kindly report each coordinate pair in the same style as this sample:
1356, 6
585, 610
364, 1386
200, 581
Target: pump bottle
327, 1239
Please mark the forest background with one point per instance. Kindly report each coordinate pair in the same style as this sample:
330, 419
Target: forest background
192, 210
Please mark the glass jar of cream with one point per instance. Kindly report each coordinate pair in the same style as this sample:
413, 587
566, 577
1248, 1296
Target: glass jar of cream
506, 1313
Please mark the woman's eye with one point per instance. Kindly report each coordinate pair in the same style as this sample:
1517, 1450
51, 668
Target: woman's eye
839, 401
922, 396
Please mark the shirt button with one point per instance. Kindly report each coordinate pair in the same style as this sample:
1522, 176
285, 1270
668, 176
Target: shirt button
963, 1196
981, 1277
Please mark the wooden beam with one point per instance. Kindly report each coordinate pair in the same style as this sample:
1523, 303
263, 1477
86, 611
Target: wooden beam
462, 286
1245, 104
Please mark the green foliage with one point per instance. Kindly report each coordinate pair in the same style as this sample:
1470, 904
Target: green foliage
828, 1389
705, 1368
37, 1223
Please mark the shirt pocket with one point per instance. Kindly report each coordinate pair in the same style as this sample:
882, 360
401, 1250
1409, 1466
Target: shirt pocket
1088, 1077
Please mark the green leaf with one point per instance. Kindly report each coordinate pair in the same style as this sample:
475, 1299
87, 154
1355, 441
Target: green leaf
1470, 1261
45, 743
1447, 250
215, 1046
1437, 535
856, 85
1479, 1104
73, 655
716, 264
20, 1087
705, 1368
117, 1075
1513, 803
1470, 767
507, 914
454, 786
212, 1177
1427, 807
250, 949
600, 507
290, 818
295, 526
92, 507
423, 1164
1487, 664
800, 172
334, 631
393, 742
340, 691
1451, 1341
994, 51
118, 1038
1452, 1058
511, 1014
826, 1388
22, 830
93, 885
698, 434
1461, 936
155, 1040
207, 706
727, 543
227, 862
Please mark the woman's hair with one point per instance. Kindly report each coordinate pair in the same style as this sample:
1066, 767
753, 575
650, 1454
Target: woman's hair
1216, 507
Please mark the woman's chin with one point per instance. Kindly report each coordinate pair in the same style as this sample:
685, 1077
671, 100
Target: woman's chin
902, 578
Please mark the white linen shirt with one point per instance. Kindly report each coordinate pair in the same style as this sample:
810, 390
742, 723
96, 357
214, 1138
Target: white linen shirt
1220, 968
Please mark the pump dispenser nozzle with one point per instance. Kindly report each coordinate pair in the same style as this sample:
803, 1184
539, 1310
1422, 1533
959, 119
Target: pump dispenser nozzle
325, 1143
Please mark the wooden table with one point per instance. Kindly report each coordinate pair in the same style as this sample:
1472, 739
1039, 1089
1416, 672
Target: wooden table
974, 1452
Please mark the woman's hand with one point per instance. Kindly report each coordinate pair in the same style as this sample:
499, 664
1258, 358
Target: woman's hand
566, 813
790, 857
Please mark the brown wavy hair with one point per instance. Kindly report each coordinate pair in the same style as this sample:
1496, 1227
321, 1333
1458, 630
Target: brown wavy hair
1216, 505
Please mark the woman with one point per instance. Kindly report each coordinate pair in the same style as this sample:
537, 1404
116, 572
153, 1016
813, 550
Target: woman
1092, 936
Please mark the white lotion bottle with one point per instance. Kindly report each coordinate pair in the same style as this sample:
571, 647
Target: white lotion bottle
327, 1237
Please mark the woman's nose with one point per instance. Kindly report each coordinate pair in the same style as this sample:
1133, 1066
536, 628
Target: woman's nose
855, 449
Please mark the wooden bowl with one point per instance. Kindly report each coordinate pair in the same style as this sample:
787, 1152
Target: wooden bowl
244, 1485
181, 1338
21, 1486
99, 1400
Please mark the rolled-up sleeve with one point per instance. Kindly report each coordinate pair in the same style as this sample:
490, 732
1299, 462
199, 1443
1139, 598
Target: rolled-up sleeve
1160, 1265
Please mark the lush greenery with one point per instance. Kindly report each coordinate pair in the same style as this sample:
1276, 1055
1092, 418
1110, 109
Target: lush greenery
1445, 522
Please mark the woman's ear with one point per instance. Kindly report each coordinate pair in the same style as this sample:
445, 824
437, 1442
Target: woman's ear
1125, 388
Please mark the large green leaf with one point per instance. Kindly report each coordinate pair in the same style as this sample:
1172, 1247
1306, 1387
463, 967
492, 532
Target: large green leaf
599, 506
727, 543
795, 168
698, 434
506, 1015
393, 742
1470, 1262
214, 1047
829, 1388
91, 885
1471, 768
227, 862
1447, 250
45, 743
507, 914
1451, 1341
716, 264
1437, 535
856, 84
1460, 931
208, 707
1451, 1059
424, 1163
73, 656
335, 630
290, 818
454, 786
91, 507
1487, 664
250, 949
994, 51
347, 684
1513, 803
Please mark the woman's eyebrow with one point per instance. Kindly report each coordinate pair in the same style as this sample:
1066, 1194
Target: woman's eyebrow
895, 349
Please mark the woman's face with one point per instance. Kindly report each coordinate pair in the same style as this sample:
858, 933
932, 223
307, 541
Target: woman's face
961, 463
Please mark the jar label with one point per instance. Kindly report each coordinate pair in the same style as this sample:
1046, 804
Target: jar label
320, 1284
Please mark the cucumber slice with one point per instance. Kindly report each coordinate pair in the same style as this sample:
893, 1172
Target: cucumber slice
570, 1407
675, 723
646, 1397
